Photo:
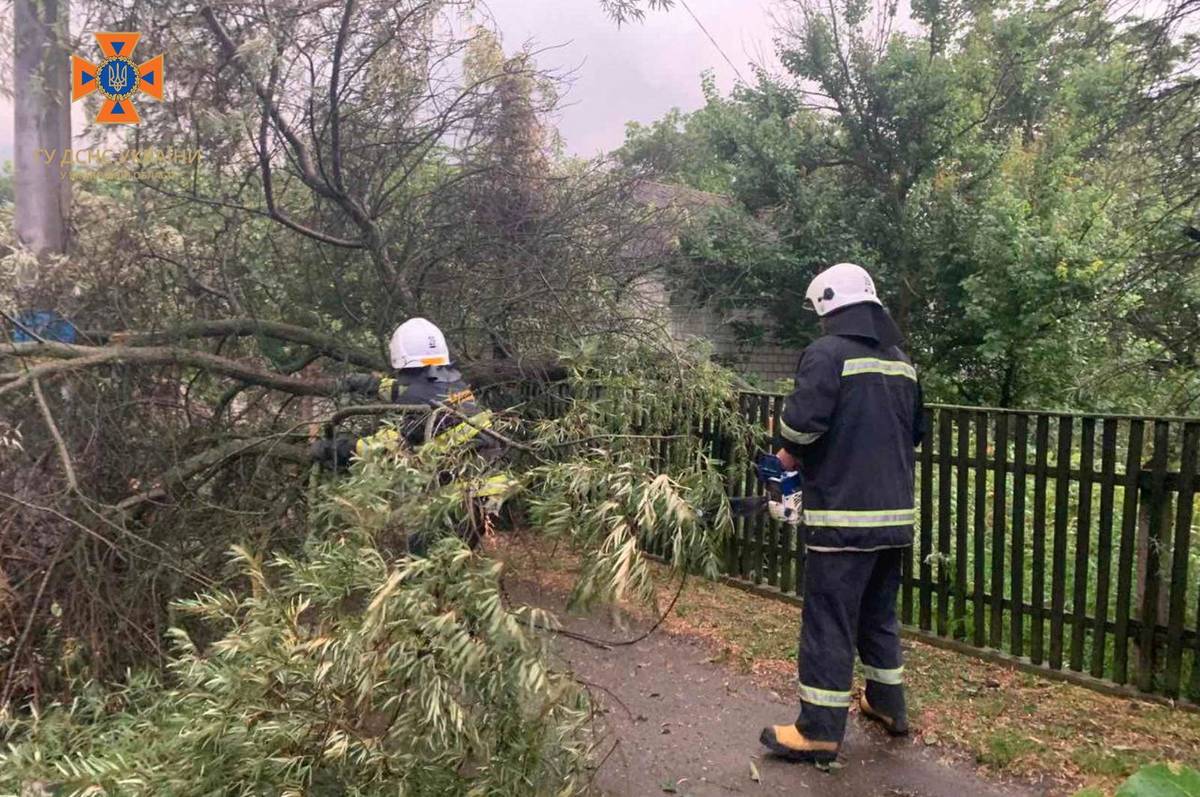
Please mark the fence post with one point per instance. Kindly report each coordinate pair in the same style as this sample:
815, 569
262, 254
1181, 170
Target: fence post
1153, 539
926, 534
945, 490
1184, 502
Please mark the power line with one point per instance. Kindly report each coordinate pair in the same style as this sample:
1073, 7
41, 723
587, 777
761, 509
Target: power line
692, 13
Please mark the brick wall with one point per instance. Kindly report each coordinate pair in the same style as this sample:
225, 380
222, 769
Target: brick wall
765, 363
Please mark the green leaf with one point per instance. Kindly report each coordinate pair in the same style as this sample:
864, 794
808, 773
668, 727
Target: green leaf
1162, 780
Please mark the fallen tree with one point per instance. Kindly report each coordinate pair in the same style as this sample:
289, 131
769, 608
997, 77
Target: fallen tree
217, 305
344, 665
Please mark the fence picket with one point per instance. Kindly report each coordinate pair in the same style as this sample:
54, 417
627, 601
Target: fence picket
926, 567
801, 557
1016, 641
1108, 464
1037, 584
760, 521
1179, 563
945, 431
999, 514
774, 530
1125, 564
1083, 533
1058, 576
980, 552
961, 497
1147, 644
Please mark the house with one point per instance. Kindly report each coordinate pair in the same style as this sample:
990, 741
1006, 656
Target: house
684, 314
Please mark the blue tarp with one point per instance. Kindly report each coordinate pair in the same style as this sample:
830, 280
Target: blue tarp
47, 325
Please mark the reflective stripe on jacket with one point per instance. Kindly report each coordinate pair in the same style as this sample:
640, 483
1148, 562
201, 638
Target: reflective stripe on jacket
433, 386
853, 421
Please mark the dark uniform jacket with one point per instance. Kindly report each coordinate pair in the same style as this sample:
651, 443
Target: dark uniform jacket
434, 386
853, 421
450, 401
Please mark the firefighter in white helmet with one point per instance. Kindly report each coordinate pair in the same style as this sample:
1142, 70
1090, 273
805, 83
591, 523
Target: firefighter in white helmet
850, 427
423, 374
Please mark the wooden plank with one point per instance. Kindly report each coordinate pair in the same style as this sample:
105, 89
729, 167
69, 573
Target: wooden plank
774, 529
1135, 627
801, 557
979, 551
746, 486
1016, 642
733, 471
1125, 563
1083, 535
906, 586
1193, 476
1147, 646
1170, 479
926, 565
1058, 573
945, 488
1108, 481
760, 519
962, 485
787, 563
1179, 562
999, 517
752, 487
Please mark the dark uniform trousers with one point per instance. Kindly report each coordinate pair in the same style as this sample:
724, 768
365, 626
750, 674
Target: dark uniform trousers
849, 603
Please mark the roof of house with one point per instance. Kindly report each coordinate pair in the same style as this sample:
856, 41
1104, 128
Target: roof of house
671, 207
652, 192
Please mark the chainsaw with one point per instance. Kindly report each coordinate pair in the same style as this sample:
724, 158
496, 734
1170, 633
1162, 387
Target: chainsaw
782, 487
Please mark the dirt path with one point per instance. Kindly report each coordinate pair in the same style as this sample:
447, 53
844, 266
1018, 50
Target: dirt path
679, 721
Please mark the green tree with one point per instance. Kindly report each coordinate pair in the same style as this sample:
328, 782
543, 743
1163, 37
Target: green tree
991, 170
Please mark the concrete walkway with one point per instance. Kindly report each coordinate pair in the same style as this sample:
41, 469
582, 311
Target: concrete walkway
676, 722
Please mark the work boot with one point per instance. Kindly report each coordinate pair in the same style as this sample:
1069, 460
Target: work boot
894, 727
787, 742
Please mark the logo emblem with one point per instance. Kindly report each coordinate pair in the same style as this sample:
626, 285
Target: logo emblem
117, 77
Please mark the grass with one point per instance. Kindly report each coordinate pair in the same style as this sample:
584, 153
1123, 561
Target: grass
1011, 724
1004, 748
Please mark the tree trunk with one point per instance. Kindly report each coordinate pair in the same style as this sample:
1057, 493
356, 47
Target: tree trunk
42, 125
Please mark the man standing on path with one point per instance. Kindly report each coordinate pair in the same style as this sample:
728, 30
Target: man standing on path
850, 427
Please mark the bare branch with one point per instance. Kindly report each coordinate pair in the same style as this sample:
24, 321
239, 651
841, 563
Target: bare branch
74, 358
63, 455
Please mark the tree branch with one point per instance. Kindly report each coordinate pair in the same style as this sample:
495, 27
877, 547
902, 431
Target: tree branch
207, 460
59, 444
73, 358
245, 327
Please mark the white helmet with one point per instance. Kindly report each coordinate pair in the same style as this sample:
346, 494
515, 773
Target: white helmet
417, 343
840, 286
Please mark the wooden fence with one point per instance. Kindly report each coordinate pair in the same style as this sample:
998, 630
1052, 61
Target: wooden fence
1062, 541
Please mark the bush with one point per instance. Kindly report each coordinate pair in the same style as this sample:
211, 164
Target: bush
337, 674
351, 668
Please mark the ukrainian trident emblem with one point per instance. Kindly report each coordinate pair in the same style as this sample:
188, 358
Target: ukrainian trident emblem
117, 77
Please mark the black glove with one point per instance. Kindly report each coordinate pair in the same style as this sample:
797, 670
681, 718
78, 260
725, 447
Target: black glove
359, 383
333, 454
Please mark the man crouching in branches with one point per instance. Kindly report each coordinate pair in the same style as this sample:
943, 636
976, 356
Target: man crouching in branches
440, 409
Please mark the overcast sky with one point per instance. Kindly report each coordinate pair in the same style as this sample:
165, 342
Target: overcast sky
636, 72
639, 71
